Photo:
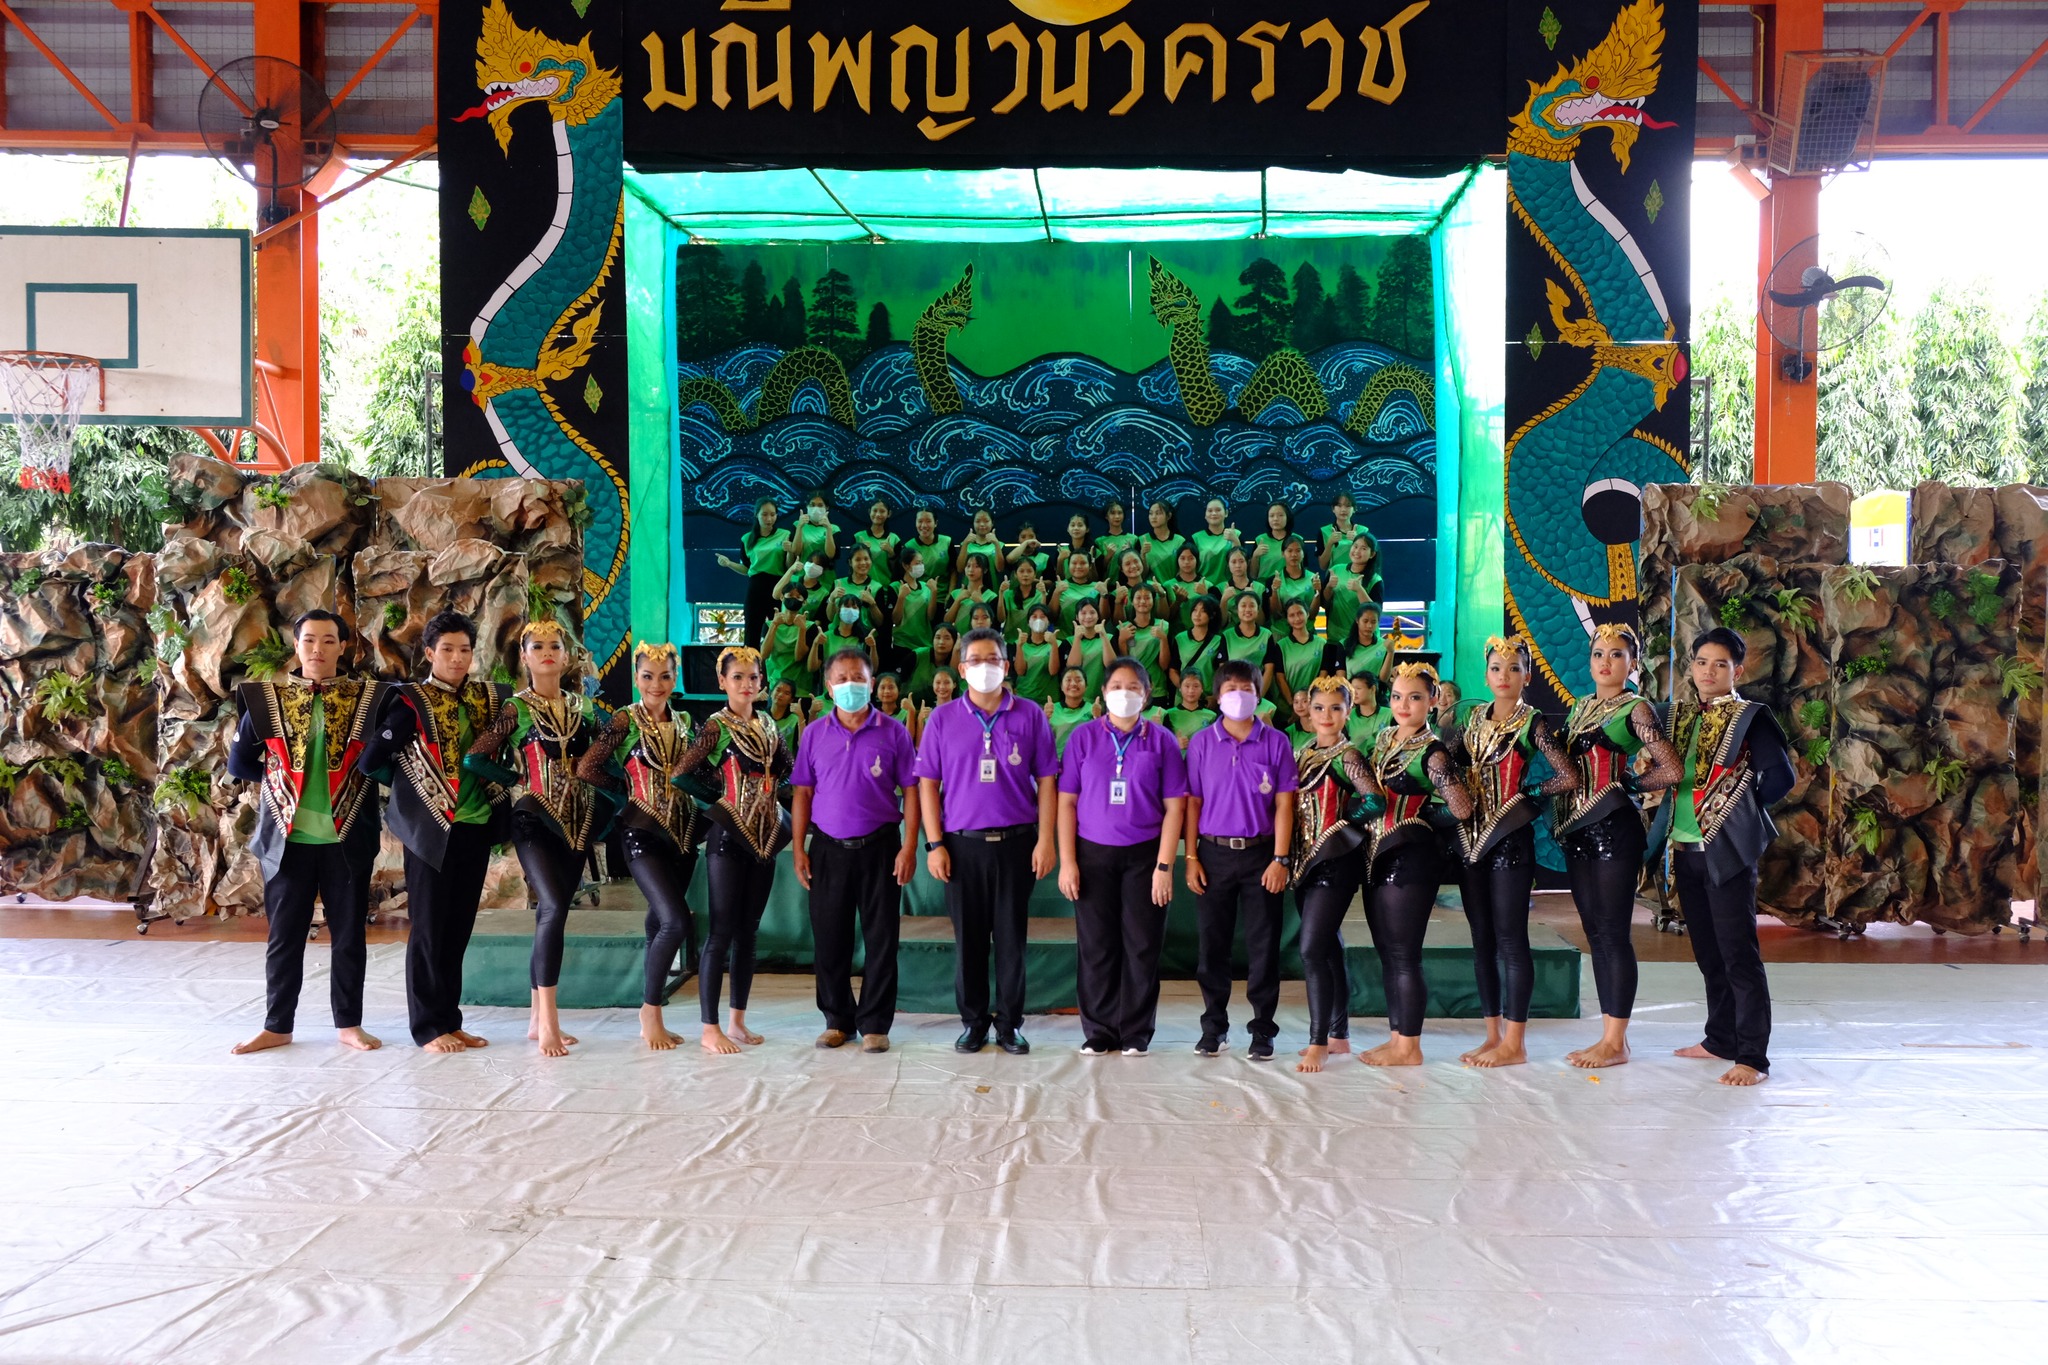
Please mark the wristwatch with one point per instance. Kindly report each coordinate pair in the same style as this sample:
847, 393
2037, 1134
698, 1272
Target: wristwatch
1162, 867
934, 845
1285, 860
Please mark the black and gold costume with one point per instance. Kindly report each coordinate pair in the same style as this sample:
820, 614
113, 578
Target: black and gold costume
1329, 865
1405, 869
640, 751
748, 762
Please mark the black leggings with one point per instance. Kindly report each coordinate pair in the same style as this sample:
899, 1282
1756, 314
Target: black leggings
1324, 899
1497, 906
1403, 893
662, 872
760, 605
740, 884
553, 872
1605, 861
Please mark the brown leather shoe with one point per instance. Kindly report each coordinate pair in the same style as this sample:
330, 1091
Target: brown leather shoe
831, 1037
874, 1042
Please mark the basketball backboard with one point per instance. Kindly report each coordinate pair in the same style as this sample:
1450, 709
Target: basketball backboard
164, 310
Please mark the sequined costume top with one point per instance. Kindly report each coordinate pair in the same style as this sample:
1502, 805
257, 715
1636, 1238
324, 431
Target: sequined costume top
1496, 756
749, 762
1602, 735
546, 737
1410, 772
1329, 779
640, 750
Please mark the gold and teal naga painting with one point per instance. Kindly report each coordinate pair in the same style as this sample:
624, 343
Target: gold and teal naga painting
1604, 304
527, 359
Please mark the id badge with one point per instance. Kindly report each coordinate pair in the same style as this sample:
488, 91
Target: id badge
988, 770
1119, 792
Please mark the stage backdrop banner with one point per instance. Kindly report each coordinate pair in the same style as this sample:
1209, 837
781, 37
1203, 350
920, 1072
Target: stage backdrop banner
1037, 380
1598, 305
532, 282
954, 83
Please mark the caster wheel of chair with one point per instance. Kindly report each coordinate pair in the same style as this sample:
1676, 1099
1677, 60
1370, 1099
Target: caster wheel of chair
142, 928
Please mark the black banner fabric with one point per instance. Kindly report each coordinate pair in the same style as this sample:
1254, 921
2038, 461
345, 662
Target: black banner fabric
985, 83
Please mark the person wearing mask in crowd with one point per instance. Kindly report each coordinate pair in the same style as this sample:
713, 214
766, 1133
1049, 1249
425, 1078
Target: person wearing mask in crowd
1075, 592
1123, 781
1411, 768
1268, 551
1240, 836
1214, 542
1349, 590
1091, 649
1331, 777
1336, 542
1188, 716
853, 825
532, 751
1078, 542
743, 755
1027, 550
933, 551
1038, 659
764, 558
1161, 542
862, 591
1238, 582
787, 643
815, 535
1145, 639
1293, 583
639, 751
1300, 652
814, 579
986, 774
980, 543
916, 611
882, 544
1249, 643
976, 589
788, 717
1497, 747
1187, 583
1368, 717
1200, 647
1114, 543
1025, 596
1071, 709
1130, 576
317, 823
1600, 826
1719, 823
848, 630
1361, 649
943, 652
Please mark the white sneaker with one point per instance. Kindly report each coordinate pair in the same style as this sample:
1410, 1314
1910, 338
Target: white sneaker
1090, 1050
1134, 1052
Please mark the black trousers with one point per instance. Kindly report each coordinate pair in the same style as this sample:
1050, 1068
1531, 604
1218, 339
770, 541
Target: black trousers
553, 872
989, 901
1497, 891
442, 902
1118, 934
855, 889
1234, 892
662, 872
760, 605
343, 887
1324, 898
1720, 922
1397, 908
740, 884
1604, 862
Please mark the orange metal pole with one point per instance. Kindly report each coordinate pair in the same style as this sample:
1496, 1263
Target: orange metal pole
288, 276
1787, 409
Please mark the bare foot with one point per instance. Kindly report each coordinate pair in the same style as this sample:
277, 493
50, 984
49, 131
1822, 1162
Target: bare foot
714, 1041
470, 1039
262, 1042
1742, 1075
654, 1032
447, 1042
1311, 1058
1602, 1053
1698, 1050
554, 1043
1396, 1051
359, 1040
1502, 1055
1339, 1047
1471, 1056
738, 1031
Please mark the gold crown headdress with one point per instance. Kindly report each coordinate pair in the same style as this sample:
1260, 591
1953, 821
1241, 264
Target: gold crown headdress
1416, 669
742, 655
550, 629
659, 651
1332, 682
1508, 644
1619, 633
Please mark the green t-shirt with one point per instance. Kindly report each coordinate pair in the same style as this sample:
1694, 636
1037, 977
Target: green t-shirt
916, 601
1300, 660
1037, 671
790, 726
1227, 597
1685, 820
1198, 656
1017, 612
313, 821
881, 553
1162, 557
782, 659
1185, 723
1182, 592
1065, 720
1300, 739
1340, 557
1091, 662
936, 557
472, 805
767, 554
1109, 553
1251, 649
1071, 599
967, 600
1364, 730
1269, 556
990, 555
810, 540
1214, 550
1364, 659
1148, 647
1302, 590
1344, 605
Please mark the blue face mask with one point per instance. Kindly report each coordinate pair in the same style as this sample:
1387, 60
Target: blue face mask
850, 696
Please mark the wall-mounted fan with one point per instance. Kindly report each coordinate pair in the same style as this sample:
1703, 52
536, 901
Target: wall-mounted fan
1822, 295
268, 121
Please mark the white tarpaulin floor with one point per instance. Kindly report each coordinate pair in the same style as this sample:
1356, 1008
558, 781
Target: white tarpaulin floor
1883, 1197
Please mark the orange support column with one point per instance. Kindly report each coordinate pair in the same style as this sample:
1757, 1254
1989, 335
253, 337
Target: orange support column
1787, 409
288, 280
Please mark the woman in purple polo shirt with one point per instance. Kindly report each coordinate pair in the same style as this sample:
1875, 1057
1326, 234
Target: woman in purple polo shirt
1123, 778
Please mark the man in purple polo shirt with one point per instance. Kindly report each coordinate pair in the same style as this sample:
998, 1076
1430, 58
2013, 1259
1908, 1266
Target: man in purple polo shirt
850, 766
1240, 828
985, 772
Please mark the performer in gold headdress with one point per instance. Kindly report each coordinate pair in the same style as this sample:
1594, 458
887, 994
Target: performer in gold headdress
742, 750
1329, 861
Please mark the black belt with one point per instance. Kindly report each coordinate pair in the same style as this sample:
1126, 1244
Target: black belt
862, 842
995, 835
1233, 842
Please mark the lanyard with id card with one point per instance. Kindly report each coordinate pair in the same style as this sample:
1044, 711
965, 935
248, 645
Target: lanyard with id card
988, 737
1120, 790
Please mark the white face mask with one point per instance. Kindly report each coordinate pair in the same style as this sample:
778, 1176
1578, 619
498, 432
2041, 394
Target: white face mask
817, 516
916, 571
1038, 625
985, 677
814, 572
1123, 704
849, 614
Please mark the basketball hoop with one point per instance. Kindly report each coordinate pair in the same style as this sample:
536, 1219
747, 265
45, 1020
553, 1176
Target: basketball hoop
46, 392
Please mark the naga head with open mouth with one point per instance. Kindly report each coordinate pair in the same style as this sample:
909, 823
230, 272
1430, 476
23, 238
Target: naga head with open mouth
1605, 88
1173, 303
516, 66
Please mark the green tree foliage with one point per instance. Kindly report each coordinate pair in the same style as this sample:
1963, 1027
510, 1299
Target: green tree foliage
790, 322
387, 438
1965, 391
1264, 312
1403, 313
1353, 301
757, 323
1222, 327
2034, 394
879, 333
835, 316
1869, 434
707, 303
1724, 350
1313, 324
117, 497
